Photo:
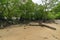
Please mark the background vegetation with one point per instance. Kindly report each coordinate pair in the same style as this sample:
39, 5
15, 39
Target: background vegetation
18, 10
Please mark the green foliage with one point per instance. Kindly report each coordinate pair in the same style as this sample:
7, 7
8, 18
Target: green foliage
56, 9
58, 15
51, 16
28, 10
20, 10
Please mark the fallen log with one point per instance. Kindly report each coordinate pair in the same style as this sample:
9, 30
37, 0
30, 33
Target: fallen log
48, 26
43, 25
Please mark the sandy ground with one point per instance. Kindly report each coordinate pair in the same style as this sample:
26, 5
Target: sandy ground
17, 32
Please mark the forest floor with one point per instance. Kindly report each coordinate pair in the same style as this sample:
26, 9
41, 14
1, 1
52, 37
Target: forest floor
26, 32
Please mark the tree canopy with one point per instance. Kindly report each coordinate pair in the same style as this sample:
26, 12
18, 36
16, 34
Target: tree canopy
29, 10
